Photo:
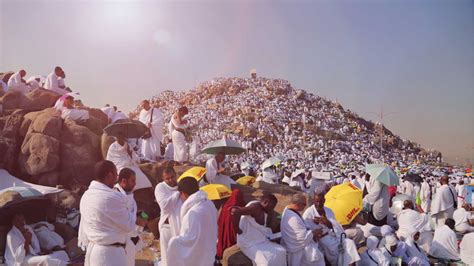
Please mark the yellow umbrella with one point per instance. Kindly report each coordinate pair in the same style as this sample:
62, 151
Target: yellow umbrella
246, 180
196, 172
216, 191
345, 201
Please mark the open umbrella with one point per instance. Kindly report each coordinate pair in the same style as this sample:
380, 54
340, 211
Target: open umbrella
413, 178
216, 191
297, 173
345, 201
383, 173
129, 128
227, 146
197, 172
271, 161
246, 180
25, 192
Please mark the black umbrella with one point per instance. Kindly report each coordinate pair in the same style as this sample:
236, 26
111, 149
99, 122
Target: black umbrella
413, 178
126, 127
34, 209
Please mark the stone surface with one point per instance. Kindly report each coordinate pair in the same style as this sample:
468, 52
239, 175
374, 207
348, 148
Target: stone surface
38, 99
40, 154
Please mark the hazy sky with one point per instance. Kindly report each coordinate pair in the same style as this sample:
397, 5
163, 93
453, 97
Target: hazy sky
416, 58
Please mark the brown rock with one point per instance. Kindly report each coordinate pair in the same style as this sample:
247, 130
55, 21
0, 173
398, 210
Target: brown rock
38, 99
9, 153
11, 100
40, 154
27, 120
80, 150
105, 142
13, 124
48, 123
50, 179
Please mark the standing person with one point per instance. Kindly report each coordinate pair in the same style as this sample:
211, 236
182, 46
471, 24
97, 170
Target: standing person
443, 203
126, 184
196, 242
379, 199
106, 222
168, 197
300, 242
153, 119
18, 83
215, 171
461, 193
425, 196
52, 81
177, 131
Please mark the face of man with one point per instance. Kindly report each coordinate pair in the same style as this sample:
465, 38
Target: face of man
220, 157
268, 205
19, 221
318, 202
416, 236
58, 72
145, 105
111, 178
22, 73
169, 179
128, 184
69, 102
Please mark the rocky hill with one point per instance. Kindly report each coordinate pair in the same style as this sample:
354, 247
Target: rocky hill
271, 117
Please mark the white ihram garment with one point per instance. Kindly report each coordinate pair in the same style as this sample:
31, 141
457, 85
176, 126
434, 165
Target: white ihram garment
213, 177
298, 241
119, 156
105, 220
170, 205
180, 146
151, 146
196, 243
52, 83
255, 244
15, 253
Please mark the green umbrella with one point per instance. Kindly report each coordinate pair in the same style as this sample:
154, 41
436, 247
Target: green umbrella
383, 173
227, 146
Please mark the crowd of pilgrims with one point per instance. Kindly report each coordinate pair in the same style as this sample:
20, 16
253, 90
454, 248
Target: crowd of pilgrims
433, 223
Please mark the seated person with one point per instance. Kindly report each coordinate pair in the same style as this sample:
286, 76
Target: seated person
410, 221
445, 245
23, 247
464, 219
373, 256
17, 82
52, 81
215, 171
415, 253
269, 175
253, 232
68, 110
124, 157
48, 238
316, 218
395, 250
300, 242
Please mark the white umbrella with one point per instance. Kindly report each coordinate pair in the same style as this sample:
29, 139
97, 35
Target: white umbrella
297, 173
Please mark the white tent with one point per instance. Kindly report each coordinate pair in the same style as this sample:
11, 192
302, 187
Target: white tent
7, 181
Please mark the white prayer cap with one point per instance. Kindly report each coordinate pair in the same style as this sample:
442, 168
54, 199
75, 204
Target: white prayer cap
386, 230
372, 242
390, 240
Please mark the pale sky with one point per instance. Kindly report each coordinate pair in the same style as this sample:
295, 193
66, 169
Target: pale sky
416, 58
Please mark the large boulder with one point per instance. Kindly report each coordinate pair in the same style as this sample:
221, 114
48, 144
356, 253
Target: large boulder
80, 150
27, 120
13, 124
11, 100
39, 154
105, 142
38, 99
9, 148
49, 122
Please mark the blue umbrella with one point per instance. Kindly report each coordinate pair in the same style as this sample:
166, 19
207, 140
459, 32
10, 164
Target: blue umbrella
383, 173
